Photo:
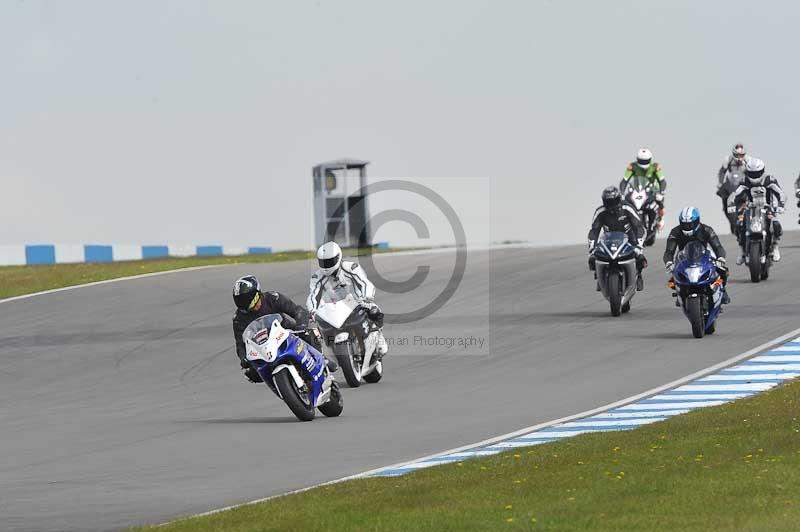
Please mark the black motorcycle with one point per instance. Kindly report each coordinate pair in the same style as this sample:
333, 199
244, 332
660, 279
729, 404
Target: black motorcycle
615, 268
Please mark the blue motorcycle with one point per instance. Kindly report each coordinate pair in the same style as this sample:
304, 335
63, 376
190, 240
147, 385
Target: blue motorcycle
699, 287
294, 370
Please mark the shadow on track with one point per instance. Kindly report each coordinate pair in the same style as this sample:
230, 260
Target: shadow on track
240, 421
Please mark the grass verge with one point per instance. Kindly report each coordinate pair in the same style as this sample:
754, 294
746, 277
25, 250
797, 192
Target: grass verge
731, 467
21, 280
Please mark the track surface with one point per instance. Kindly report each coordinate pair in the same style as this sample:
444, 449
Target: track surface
122, 404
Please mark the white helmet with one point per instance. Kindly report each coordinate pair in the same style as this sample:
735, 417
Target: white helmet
754, 171
644, 158
738, 151
329, 256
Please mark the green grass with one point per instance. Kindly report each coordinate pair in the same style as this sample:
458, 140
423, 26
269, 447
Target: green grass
732, 467
20, 280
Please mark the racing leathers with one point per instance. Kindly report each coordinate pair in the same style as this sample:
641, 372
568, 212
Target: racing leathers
294, 316
625, 219
776, 199
705, 234
655, 177
351, 278
731, 165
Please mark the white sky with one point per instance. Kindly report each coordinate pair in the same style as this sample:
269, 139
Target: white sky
157, 121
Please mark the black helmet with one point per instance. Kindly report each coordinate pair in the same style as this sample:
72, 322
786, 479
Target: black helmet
612, 199
246, 292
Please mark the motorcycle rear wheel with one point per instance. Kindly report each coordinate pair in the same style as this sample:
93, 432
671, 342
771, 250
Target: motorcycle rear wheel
335, 404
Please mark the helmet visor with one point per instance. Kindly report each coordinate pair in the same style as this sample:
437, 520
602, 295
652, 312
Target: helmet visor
328, 263
689, 227
254, 303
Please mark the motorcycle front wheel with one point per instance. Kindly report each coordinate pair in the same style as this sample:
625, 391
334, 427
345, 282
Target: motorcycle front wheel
297, 400
615, 293
755, 261
349, 362
694, 308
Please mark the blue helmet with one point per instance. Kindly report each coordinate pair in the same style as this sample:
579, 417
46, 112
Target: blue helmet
689, 218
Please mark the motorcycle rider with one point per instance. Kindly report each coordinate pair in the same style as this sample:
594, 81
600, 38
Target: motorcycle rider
797, 193
616, 215
755, 176
252, 303
689, 229
733, 164
644, 166
346, 274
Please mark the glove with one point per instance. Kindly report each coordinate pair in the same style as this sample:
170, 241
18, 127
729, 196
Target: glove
251, 375
591, 247
731, 209
375, 315
638, 250
720, 262
669, 266
780, 210
659, 197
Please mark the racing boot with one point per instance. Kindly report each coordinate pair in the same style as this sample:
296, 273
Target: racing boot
776, 252
726, 299
639, 283
332, 365
382, 348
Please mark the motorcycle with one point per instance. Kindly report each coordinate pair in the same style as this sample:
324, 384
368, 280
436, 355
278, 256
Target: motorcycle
294, 370
353, 337
757, 225
639, 193
728, 186
698, 286
615, 270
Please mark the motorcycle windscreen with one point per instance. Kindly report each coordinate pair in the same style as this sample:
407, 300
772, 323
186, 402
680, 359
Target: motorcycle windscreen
336, 305
614, 240
694, 252
258, 330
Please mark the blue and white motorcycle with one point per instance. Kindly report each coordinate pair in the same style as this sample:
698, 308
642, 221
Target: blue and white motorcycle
294, 370
698, 285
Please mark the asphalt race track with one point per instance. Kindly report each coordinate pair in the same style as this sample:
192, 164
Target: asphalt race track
123, 404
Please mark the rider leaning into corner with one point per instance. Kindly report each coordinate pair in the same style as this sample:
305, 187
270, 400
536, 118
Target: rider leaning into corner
251, 304
644, 166
689, 229
755, 176
732, 164
617, 215
349, 275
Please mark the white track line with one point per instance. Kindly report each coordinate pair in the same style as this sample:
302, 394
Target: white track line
472, 450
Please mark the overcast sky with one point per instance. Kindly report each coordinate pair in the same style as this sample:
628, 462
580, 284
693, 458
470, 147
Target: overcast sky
157, 121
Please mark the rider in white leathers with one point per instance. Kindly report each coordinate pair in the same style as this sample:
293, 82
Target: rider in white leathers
349, 275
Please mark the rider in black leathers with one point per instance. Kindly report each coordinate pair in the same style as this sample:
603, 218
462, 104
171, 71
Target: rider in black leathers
252, 303
689, 229
755, 176
617, 215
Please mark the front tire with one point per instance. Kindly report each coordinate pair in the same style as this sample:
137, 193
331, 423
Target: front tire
694, 308
755, 261
297, 401
346, 357
335, 404
615, 293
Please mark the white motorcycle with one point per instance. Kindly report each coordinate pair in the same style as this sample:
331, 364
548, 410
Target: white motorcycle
641, 195
347, 330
